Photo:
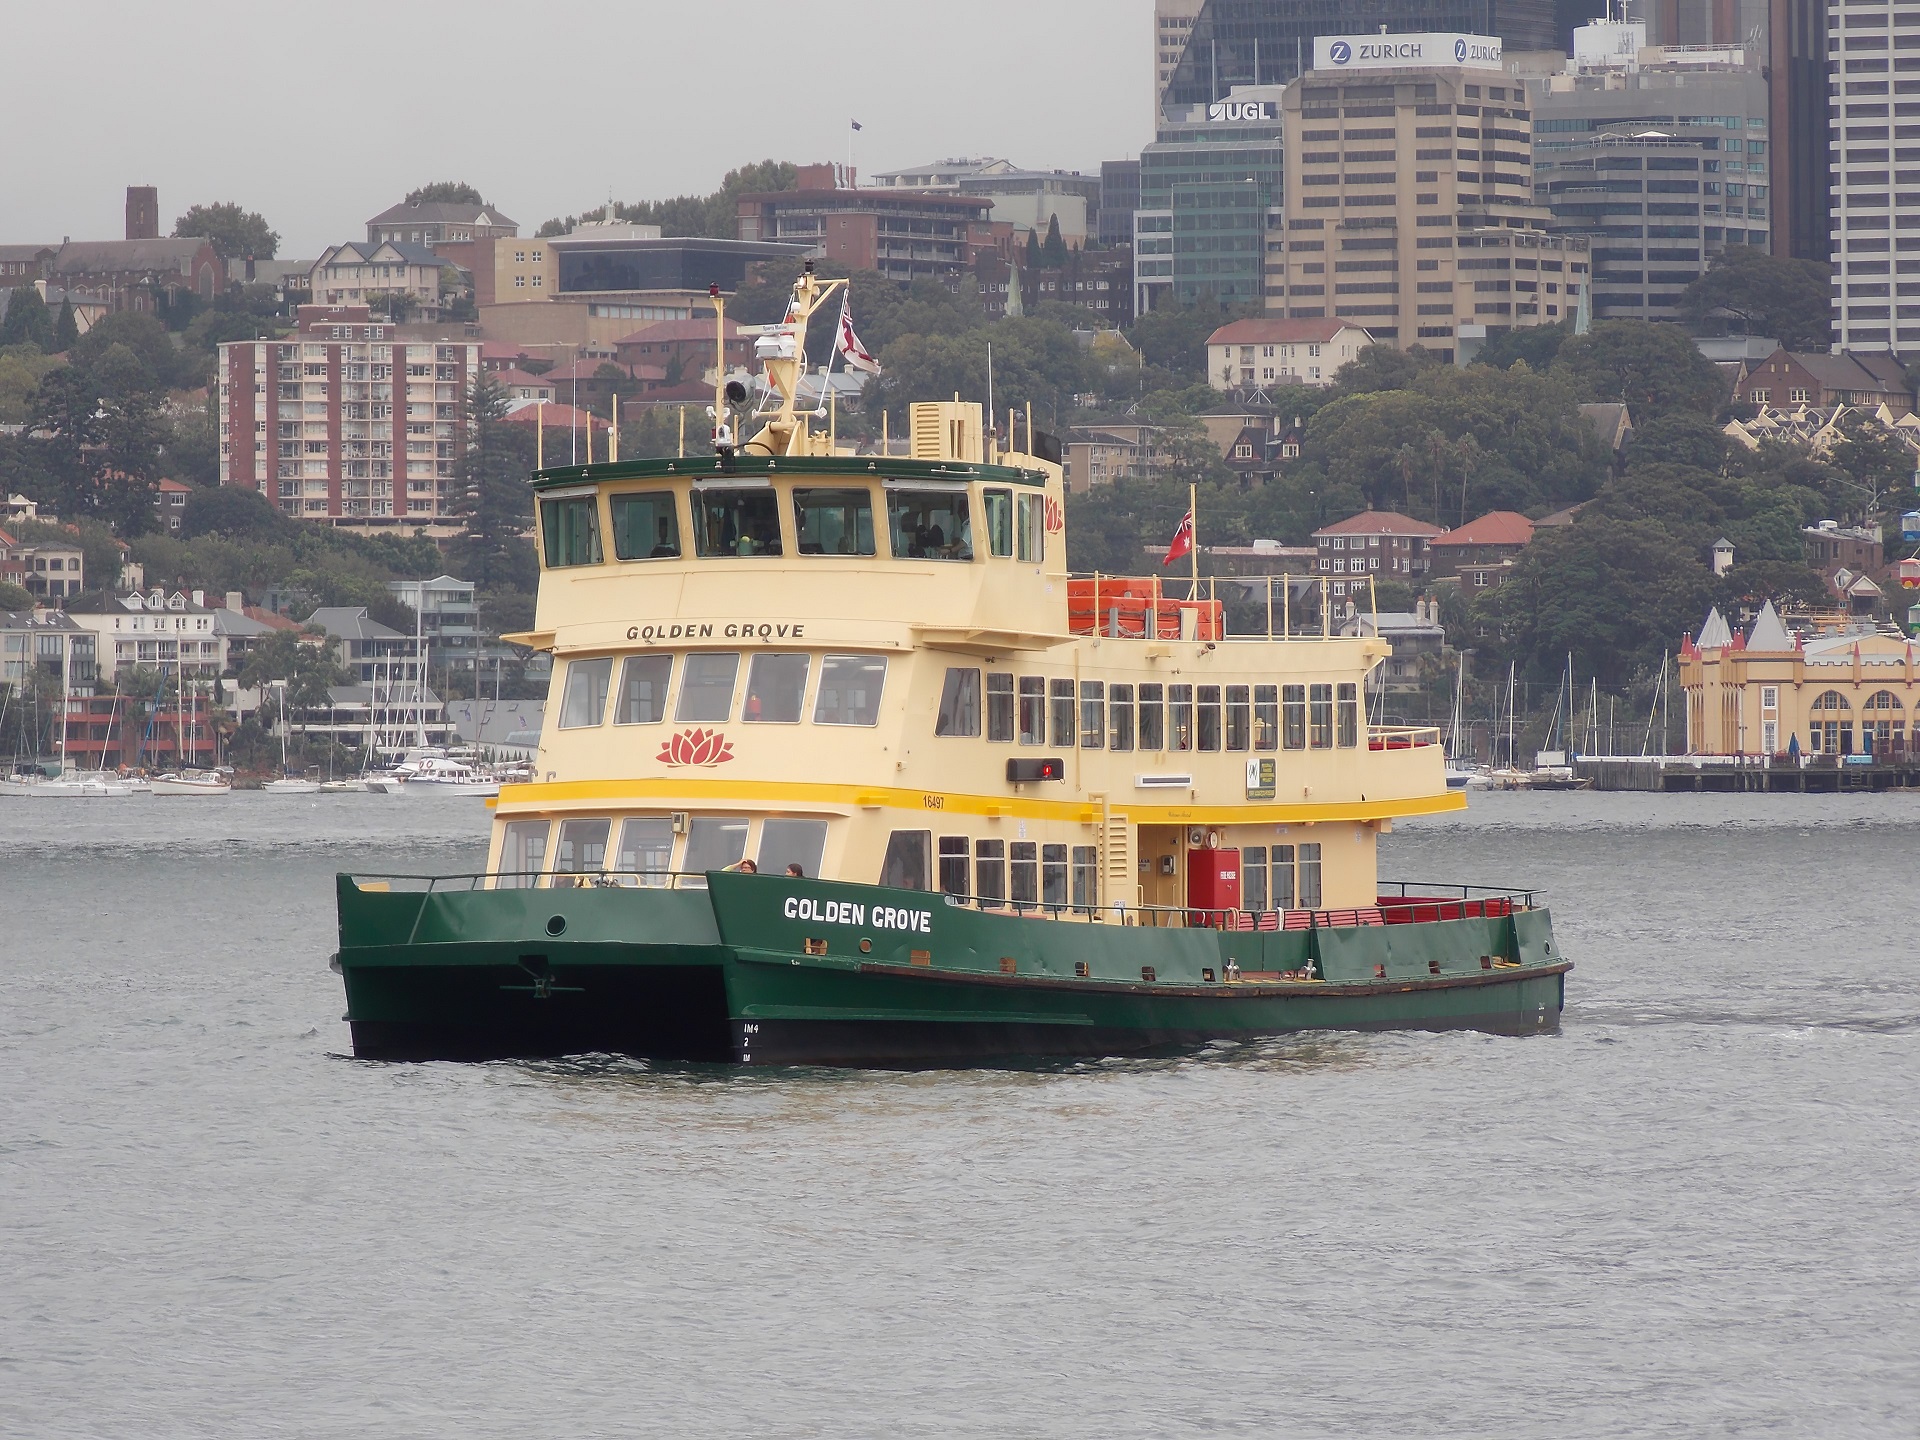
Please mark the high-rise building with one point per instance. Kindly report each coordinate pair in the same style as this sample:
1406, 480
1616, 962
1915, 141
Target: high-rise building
344, 422
1172, 27
1119, 198
1409, 196
1876, 203
1268, 42
1802, 173
1660, 155
1210, 186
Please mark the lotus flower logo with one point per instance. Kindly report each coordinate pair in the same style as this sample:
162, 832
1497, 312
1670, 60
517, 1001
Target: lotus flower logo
696, 747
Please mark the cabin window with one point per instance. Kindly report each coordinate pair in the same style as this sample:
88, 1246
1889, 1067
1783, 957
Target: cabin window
850, 687
959, 712
736, 522
582, 849
1086, 876
1120, 717
1209, 717
706, 686
1239, 711
585, 700
570, 530
906, 862
1024, 873
1253, 878
1093, 714
1266, 717
1153, 717
1283, 877
1310, 897
1032, 539
776, 685
1180, 717
523, 855
713, 843
1033, 710
1293, 716
1060, 704
793, 842
1349, 716
990, 870
643, 690
833, 522
999, 511
1053, 875
953, 865
646, 526
645, 857
929, 524
1000, 706
1320, 718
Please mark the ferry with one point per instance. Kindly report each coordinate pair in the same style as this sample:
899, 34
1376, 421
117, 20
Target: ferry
843, 767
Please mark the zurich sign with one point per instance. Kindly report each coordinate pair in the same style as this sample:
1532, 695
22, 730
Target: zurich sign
1460, 52
1340, 52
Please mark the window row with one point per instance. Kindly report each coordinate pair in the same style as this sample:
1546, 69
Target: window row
996, 873
848, 692
1033, 710
929, 522
643, 852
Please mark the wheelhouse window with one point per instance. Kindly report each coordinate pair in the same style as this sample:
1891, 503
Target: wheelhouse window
1033, 710
1310, 897
523, 855
1209, 717
584, 702
646, 526
1000, 706
1053, 875
1024, 873
645, 856
999, 510
1180, 717
833, 522
706, 686
643, 690
1266, 717
850, 687
1349, 703
1293, 717
959, 712
1060, 708
1153, 717
1086, 876
1120, 717
570, 530
1031, 541
1320, 718
581, 849
954, 865
1093, 714
905, 864
776, 686
1238, 711
990, 870
728, 521
929, 524
792, 842
713, 843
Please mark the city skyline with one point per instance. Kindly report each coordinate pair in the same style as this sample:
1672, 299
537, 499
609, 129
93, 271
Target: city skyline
552, 141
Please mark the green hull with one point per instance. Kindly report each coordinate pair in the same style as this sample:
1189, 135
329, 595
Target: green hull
769, 971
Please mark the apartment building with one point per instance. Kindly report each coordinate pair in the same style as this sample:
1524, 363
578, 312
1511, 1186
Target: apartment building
449, 616
1272, 351
344, 422
904, 234
1374, 545
438, 222
1409, 196
1872, 49
359, 271
1210, 191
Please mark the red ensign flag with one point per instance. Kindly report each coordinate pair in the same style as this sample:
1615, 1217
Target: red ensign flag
1182, 540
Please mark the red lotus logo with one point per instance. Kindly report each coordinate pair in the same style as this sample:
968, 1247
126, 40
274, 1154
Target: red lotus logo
696, 747
1056, 517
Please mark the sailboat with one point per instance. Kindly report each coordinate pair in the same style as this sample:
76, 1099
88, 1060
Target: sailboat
1510, 776
288, 784
187, 781
1461, 775
1552, 770
70, 784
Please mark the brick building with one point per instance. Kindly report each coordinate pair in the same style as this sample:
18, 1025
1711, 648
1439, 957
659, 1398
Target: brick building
1786, 379
1376, 544
904, 234
1480, 554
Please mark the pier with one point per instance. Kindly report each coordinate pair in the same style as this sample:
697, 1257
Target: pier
1750, 774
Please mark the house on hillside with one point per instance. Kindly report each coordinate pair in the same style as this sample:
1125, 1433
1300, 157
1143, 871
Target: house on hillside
1480, 554
1269, 350
1860, 378
1375, 544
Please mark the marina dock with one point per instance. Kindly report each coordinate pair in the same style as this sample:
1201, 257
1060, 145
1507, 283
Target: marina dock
1749, 774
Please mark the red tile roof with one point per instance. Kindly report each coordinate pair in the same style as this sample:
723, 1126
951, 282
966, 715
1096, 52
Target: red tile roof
520, 377
1379, 522
172, 487
1496, 527
670, 330
1278, 331
555, 417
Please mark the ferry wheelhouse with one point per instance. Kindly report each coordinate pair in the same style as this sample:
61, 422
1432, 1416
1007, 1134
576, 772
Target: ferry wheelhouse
841, 765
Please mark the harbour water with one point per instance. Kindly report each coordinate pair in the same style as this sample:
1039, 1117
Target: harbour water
1690, 1212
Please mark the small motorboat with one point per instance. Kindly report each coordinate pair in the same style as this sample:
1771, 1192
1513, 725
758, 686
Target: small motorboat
192, 782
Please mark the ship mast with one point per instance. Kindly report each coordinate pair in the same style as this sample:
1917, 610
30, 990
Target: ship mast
783, 352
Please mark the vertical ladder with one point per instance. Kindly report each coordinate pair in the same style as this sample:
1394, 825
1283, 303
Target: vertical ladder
1121, 884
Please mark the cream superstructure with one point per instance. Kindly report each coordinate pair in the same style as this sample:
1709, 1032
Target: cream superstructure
862, 665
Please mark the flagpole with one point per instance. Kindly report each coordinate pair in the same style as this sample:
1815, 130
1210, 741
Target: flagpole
1193, 554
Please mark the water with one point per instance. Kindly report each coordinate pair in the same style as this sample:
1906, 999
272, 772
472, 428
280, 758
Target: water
1691, 1212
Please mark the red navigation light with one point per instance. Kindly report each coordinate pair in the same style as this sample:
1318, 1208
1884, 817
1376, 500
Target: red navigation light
1024, 772
713, 289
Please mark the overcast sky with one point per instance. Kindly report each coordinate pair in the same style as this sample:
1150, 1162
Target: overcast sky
319, 117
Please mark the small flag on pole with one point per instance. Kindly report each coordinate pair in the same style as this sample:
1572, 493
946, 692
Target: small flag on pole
855, 124
848, 343
1182, 540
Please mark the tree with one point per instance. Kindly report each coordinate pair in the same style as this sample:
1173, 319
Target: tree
445, 192
66, 329
1535, 344
238, 514
1876, 464
302, 659
235, 234
716, 216
1379, 367
26, 321
1174, 337
1653, 368
496, 501
1679, 439
1053, 252
12, 597
1776, 295
145, 336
